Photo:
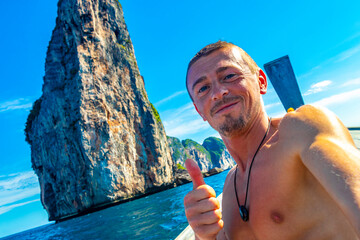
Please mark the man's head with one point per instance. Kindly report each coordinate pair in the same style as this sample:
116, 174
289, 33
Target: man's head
225, 85
208, 49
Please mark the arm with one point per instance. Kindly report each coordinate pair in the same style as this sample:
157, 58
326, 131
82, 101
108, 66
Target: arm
328, 151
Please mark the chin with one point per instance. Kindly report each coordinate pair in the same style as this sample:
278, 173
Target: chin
232, 126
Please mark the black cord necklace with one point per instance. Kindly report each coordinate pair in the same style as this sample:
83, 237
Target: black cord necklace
244, 213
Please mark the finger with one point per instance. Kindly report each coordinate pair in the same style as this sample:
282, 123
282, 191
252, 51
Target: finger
206, 218
195, 173
209, 231
205, 205
194, 198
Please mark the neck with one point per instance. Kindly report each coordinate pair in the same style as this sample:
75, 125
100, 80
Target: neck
242, 147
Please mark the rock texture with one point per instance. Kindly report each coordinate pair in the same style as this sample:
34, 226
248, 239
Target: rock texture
211, 154
95, 138
220, 156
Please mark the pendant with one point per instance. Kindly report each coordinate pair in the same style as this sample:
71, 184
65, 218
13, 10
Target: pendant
244, 213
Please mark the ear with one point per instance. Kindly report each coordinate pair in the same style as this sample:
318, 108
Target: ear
199, 112
262, 82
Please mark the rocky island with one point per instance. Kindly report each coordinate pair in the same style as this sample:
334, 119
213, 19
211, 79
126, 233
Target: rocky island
95, 137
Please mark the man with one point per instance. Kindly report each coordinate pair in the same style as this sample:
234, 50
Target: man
297, 177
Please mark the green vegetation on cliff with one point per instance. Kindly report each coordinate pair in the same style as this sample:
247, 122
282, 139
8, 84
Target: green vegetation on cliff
188, 143
215, 146
176, 145
156, 113
179, 166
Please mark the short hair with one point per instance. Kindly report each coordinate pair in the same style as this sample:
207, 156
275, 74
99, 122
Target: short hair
210, 48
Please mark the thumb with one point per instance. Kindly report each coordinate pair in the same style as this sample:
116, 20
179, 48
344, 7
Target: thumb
195, 173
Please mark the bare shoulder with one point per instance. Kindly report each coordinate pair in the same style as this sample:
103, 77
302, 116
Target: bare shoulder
309, 122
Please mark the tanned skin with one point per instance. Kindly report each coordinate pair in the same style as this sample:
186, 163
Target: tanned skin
305, 180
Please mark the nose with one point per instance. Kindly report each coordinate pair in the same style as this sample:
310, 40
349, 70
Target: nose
219, 91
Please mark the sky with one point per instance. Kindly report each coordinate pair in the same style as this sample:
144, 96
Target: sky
322, 39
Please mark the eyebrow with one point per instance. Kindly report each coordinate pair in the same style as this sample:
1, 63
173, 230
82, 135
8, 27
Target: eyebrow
221, 69
199, 80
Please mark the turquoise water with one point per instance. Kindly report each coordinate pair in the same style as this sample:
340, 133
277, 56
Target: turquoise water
158, 216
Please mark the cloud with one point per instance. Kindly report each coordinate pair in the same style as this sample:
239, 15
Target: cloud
309, 73
338, 98
10, 207
17, 180
318, 87
267, 106
347, 54
183, 128
19, 103
169, 98
335, 59
351, 82
183, 121
278, 114
16, 187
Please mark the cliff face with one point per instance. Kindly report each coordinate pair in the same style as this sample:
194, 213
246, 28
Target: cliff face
94, 136
211, 154
199, 154
219, 154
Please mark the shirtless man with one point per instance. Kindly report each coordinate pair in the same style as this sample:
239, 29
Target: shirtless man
304, 182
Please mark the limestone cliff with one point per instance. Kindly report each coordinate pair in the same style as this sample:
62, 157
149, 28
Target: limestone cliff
199, 154
220, 156
211, 154
95, 138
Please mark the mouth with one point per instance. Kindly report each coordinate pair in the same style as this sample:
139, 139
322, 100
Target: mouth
224, 107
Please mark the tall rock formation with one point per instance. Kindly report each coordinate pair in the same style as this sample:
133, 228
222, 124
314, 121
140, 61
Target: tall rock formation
95, 138
211, 154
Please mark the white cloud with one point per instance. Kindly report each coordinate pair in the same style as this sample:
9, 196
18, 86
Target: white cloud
19, 103
17, 180
267, 106
183, 121
185, 127
318, 87
10, 207
335, 59
278, 114
347, 54
217, 135
7, 197
351, 82
169, 98
16, 187
338, 98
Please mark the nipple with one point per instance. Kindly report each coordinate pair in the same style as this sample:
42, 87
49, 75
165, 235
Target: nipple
277, 217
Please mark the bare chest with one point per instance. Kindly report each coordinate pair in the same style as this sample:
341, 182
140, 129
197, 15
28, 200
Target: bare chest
284, 200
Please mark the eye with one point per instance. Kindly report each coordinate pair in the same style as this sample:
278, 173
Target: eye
203, 89
229, 76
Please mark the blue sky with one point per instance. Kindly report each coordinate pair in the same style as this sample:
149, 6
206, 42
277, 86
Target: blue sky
322, 39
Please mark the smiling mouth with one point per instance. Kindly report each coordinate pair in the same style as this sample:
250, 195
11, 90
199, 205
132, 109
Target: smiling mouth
225, 107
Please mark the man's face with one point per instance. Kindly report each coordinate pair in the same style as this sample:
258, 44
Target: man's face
225, 92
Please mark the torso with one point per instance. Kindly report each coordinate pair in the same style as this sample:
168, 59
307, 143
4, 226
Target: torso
285, 200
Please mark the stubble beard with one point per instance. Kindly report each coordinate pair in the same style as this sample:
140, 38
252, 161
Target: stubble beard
232, 126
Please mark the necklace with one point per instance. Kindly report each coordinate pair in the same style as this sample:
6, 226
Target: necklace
244, 213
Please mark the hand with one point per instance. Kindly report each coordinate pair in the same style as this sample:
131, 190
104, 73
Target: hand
202, 209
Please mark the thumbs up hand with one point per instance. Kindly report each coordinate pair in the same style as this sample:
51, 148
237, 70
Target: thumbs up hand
202, 209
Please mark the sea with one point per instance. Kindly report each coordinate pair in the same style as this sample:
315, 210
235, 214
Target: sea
158, 216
